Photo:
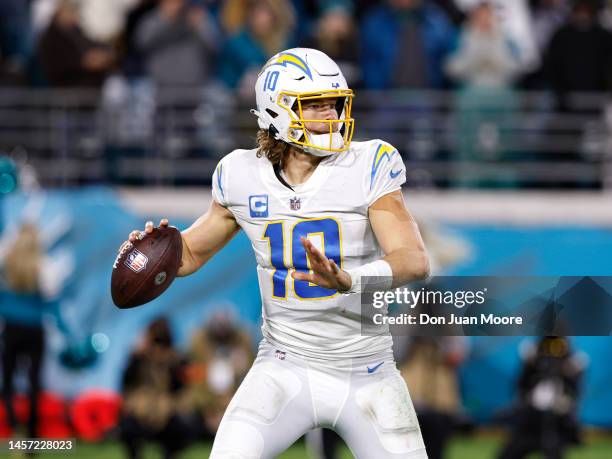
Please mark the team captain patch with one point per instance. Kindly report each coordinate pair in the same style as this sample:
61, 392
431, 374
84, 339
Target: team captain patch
136, 261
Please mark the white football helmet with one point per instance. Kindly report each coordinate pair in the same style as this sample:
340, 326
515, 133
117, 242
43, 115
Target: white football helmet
285, 82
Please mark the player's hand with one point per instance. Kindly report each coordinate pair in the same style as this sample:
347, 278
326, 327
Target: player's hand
137, 234
325, 271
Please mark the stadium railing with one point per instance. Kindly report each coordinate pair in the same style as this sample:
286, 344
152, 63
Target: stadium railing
468, 138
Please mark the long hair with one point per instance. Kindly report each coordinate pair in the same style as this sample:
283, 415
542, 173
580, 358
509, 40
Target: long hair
270, 147
23, 260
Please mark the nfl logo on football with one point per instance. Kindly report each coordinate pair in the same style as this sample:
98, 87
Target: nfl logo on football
295, 203
136, 261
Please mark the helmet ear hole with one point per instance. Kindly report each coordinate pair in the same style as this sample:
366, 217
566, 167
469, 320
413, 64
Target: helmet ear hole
272, 113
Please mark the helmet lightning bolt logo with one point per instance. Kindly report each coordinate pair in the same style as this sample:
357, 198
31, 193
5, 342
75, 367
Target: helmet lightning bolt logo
286, 59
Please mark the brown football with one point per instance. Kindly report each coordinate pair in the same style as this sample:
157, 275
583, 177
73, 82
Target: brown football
144, 269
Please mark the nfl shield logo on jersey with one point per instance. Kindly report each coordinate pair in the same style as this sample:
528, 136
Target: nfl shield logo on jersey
295, 203
280, 355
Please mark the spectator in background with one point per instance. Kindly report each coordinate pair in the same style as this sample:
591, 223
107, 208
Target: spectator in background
579, 56
452, 10
67, 56
485, 63
485, 56
335, 34
404, 44
430, 371
16, 39
155, 403
178, 40
515, 20
220, 355
546, 16
103, 21
545, 419
260, 29
32, 287
133, 63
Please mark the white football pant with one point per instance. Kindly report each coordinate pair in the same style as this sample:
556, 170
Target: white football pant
283, 396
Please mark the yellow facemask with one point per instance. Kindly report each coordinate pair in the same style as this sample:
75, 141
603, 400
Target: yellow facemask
340, 132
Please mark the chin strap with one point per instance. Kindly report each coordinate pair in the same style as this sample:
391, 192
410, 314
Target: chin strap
318, 140
322, 140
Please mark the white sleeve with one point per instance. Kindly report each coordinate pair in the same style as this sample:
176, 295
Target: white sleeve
219, 183
387, 172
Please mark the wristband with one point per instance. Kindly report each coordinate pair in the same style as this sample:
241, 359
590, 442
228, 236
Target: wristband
377, 269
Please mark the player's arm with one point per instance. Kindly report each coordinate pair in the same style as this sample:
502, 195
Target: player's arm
205, 237
399, 237
397, 233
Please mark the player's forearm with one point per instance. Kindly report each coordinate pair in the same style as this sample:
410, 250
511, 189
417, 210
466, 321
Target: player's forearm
193, 260
208, 234
189, 264
408, 264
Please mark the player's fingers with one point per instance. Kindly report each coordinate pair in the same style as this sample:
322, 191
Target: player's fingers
315, 254
149, 227
134, 235
334, 267
297, 275
124, 245
317, 264
164, 222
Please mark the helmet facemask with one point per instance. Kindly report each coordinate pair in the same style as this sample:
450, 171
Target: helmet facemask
340, 132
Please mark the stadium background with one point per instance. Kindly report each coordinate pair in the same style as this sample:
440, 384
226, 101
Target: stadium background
510, 171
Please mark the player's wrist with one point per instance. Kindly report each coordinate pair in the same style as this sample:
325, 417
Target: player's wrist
377, 274
345, 281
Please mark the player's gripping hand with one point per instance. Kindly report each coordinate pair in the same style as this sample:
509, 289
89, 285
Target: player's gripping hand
325, 271
147, 263
137, 234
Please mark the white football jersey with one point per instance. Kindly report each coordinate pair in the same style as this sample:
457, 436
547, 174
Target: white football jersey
331, 209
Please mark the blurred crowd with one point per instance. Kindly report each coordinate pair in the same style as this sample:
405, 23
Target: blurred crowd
563, 45
172, 78
175, 398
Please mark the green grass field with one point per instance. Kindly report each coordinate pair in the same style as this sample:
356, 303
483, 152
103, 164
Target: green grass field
479, 447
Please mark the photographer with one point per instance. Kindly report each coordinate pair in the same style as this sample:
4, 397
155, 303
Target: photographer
545, 419
178, 40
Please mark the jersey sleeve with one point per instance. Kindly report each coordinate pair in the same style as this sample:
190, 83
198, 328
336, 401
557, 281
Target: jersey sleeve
387, 172
220, 183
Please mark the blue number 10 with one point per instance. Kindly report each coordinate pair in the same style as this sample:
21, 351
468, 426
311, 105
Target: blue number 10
270, 81
329, 231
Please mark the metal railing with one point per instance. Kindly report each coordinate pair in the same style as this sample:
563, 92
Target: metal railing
135, 135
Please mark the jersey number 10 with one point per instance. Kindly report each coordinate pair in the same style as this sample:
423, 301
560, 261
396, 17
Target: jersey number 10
327, 229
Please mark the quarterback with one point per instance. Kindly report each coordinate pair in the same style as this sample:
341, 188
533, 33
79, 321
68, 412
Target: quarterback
321, 212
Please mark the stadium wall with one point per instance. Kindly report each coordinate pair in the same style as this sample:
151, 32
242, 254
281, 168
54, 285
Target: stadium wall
493, 233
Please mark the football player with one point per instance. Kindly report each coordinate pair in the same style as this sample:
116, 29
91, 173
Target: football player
322, 212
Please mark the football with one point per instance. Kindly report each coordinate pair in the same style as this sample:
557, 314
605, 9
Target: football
144, 269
